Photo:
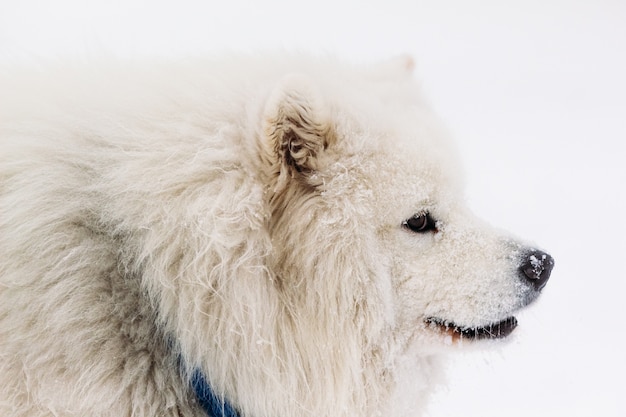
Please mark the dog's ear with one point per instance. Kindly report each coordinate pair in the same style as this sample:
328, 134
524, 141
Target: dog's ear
297, 130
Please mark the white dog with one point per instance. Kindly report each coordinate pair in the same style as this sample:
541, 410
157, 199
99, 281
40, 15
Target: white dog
282, 237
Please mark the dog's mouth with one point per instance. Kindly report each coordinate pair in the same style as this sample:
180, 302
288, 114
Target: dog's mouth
497, 330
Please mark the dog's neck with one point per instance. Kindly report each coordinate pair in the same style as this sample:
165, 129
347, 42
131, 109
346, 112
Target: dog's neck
212, 404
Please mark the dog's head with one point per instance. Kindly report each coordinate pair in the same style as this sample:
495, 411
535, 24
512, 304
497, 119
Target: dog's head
373, 192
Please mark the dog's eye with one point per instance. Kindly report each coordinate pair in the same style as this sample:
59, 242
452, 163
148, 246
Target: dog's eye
420, 223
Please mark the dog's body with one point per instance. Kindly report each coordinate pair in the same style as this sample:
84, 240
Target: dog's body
293, 228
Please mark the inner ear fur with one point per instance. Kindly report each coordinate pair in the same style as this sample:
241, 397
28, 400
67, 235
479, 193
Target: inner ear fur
297, 130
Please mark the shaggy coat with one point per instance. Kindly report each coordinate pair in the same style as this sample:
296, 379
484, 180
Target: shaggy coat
241, 218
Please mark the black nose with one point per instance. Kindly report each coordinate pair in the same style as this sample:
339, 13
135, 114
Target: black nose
536, 268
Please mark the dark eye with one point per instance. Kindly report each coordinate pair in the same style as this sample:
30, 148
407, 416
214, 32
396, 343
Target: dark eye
420, 223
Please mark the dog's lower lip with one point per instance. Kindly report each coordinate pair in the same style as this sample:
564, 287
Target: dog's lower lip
497, 330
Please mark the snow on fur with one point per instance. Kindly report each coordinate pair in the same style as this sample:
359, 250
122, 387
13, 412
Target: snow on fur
239, 216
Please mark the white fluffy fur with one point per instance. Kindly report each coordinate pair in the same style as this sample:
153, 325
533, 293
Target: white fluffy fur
244, 215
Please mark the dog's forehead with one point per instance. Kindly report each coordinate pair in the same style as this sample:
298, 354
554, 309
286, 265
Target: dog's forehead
416, 160
391, 155
389, 184
407, 183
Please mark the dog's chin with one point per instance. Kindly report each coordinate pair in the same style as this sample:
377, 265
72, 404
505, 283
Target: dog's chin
490, 331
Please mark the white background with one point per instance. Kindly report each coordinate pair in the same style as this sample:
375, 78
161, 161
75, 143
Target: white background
535, 93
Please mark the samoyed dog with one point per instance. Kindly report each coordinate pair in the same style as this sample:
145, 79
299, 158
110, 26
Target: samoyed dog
277, 237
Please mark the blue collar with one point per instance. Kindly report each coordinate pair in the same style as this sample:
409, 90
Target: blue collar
212, 404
